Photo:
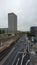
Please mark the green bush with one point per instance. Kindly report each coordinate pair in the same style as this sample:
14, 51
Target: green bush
0, 31
3, 31
28, 34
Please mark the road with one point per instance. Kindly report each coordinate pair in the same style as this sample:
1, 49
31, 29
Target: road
5, 52
22, 59
9, 49
33, 58
19, 59
18, 46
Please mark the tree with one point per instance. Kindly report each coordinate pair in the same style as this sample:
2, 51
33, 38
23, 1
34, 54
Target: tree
28, 33
3, 31
0, 31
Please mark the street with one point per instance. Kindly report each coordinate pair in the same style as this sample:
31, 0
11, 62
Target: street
33, 58
19, 57
5, 53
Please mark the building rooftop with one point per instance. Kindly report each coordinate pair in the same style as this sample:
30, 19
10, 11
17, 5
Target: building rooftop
11, 13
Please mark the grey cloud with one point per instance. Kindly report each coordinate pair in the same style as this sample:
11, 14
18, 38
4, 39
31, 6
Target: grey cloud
26, 11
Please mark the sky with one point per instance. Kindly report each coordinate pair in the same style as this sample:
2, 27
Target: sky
26, 11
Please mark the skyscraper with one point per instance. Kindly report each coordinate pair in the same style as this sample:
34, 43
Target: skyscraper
12, 23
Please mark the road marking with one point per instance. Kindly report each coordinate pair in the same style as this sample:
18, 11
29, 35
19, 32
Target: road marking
15, 58
17, 61
5, 58
22, 58
27, 62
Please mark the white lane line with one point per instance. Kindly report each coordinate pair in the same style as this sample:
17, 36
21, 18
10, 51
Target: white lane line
5, 58
27, 62
24, 54
17, 55
15, 58
22, 58
17, 61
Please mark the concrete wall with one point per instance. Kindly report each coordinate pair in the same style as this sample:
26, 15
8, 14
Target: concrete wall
12, 23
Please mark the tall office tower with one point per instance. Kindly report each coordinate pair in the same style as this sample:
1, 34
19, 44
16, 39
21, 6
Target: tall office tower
34, 31
12, 23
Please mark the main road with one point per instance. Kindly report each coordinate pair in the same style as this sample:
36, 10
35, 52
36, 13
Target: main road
22, 58
17, 56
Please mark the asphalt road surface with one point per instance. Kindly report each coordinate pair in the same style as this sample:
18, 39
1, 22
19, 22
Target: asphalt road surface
18, 47
9, 49
21, 59
33, 58
5, 52
17, 60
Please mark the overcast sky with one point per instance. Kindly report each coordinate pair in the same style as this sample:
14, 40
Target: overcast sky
26, 11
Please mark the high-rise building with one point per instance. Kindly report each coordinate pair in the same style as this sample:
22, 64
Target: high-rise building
34, 31
12, 23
